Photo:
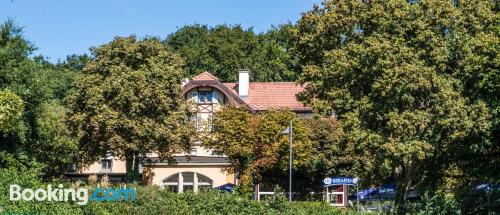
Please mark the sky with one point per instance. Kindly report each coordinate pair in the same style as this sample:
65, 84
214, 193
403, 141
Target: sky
60, 28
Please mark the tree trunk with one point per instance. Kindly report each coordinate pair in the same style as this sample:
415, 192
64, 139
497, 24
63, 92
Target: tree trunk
129, 162
400, 201
404, 183
136, 167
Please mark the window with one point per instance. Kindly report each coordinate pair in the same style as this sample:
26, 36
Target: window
174, 189
210, 123
172, 183
193, 151
202, 97
188, 188
106, 165
203, 121
204, 182
216, 154
198, 122
187, 181
215, 97
195, 97
205, 97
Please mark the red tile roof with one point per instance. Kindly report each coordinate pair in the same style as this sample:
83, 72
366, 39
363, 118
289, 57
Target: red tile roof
205, 76
261, 95
267, 95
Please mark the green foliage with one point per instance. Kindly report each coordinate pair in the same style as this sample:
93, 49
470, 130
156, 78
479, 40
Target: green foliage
152, 200
255, 145
328, 157
33, 79
54, 145
232, 136
476, 49
13, 45
11, 109
391, 72
74, 62
26, 173
259, 152
36, 82
128, 102
224, 49
434, 204
16, 69
415, 85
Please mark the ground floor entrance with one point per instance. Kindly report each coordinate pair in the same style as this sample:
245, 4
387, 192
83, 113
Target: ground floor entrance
193, 174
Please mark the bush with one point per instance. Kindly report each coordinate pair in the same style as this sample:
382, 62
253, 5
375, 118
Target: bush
153, 200
480, 202
435, 204
26, 175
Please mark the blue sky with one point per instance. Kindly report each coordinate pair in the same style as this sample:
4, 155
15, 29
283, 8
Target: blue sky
60, 28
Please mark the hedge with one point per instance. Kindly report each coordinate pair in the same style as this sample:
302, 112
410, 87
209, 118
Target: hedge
153, 200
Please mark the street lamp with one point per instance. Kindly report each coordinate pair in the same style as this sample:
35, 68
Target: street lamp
289, 131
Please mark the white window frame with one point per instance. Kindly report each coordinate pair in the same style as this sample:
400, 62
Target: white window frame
195, 150
180, 182
110, 169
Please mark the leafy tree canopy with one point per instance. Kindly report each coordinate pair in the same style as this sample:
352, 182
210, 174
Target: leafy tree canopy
223, 49
11, 110
27, 83
254, 142
393, 72
55, 145
260, 153
128, 102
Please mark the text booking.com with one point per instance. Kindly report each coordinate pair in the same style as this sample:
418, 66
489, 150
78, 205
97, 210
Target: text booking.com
80, 196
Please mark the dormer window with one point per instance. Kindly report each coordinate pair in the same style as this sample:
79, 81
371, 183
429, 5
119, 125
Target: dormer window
205, 97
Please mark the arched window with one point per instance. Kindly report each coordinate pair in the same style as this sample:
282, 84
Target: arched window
187, 181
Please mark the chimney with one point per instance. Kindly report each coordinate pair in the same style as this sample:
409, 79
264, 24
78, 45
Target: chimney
243, 82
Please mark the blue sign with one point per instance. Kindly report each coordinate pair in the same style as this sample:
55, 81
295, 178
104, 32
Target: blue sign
340, 181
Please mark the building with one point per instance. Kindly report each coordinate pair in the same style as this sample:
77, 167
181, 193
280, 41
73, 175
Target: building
200, 168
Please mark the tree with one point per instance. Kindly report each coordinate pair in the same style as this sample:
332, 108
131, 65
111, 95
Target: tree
12, 129
36, 82
128, 102
11, 110
74, 62
16, 70
223, 50
328, 157
55, 145
273, 61
256, 148
384, 68
476, 51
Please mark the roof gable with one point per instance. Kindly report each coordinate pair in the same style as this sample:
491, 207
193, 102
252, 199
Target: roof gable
205, 76
261, 95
